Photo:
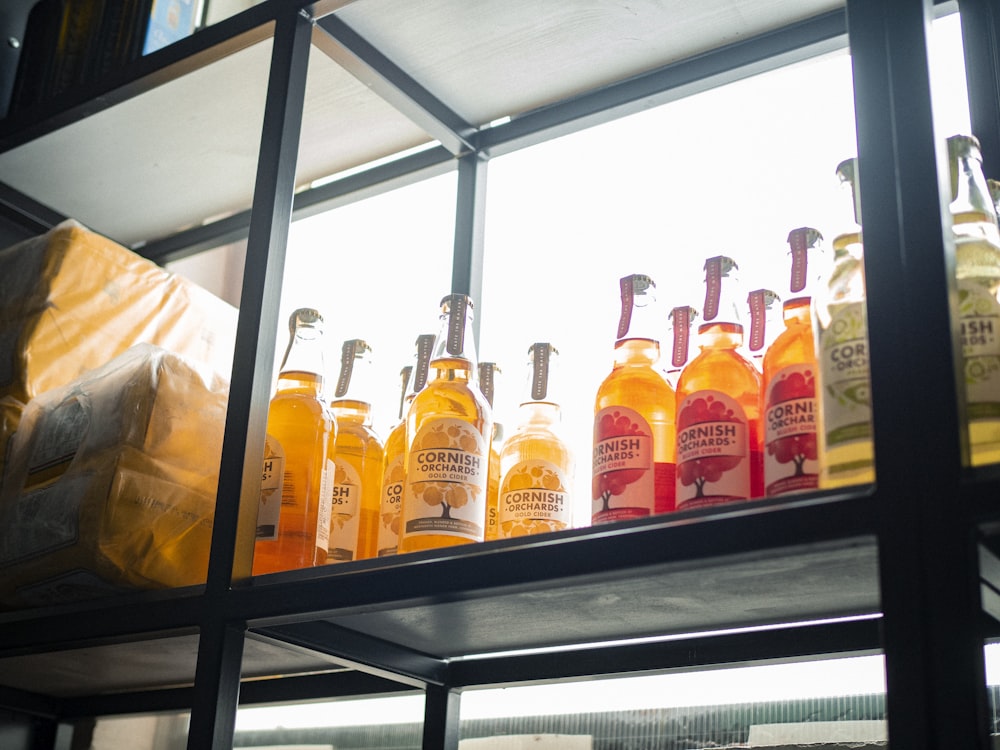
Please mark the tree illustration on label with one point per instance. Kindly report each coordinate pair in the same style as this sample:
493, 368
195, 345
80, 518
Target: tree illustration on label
799, 446
615, 433
394, 477
447, 454
702, 421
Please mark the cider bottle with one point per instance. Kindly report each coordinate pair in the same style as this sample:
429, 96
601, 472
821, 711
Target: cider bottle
357, 459
977, 270
414, 378
487, 384
791, 409
536, 463
633, 460
293, 532
719, 433
765, 324
448, 429
681, 320
847, 449
994, 187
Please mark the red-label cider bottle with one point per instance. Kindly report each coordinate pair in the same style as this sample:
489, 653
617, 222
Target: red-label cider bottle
448, 430
293, 518
791, 409
719, 434
414, 378
358, 455
634, 434
487, 384
536, 463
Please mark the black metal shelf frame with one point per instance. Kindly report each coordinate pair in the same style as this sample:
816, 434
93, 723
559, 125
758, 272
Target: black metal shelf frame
923, 521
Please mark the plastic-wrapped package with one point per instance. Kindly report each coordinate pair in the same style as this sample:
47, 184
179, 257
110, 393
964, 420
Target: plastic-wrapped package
10, 416
72, 300
111, 481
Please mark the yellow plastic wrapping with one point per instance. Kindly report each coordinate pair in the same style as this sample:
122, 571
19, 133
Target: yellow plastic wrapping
111, 481
72, 300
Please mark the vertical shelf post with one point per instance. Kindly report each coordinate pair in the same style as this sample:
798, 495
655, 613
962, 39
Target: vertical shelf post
441, 718
927, 552
470, 220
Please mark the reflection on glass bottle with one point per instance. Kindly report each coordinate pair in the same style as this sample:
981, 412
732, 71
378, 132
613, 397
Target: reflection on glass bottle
293, 519
847, 450
791, 409
634, 460
719, 432
414, 378
536, 463
487, 384
977, 269
448, 430
357, 459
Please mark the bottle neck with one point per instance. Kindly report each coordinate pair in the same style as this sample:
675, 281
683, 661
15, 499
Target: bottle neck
720, 335
973, 213
350, 410
538, 414
301, 382
636, 352
797, 311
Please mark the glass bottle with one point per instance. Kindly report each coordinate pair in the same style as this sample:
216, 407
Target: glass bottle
448, 429
414, 378
633, 461
977, 270
994, 187
357, 458
536, 463
681, 321
719, 433
791, 409
487, 384
293, 533
765, 324
847, 450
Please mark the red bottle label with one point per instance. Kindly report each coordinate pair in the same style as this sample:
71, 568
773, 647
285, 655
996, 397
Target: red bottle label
790, 419
624, 479
713, 451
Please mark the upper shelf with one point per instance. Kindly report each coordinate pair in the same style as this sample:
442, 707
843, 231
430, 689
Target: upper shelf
163, 146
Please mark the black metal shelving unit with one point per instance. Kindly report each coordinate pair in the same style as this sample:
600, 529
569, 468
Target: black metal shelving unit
908, 568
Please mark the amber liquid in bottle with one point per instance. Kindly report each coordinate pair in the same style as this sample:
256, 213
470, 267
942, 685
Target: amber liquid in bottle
791, 408
634, 432
448, 432
536, 464
293, 533
719, 431
487, 374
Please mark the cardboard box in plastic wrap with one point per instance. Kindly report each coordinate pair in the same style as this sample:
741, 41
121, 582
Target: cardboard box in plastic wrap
111, 481
72, 300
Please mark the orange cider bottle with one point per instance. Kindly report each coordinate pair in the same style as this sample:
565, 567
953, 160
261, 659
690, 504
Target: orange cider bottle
791, 408
977, 270
448, 429
536, 463
846, 445
487, 384
633, 459
414, 377
357, 458
293, 532
719, 434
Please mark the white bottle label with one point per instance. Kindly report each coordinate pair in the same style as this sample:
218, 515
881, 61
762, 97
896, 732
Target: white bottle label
392, 496
345, 522
843, 360
534, 498
325, 505
713, 452
979, 314
271, 481
446, 474
624, 482
791, 416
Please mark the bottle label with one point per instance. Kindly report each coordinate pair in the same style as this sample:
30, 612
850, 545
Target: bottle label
344, 518
713, 288
758, 319
790, 419
798, 241
325, 505
271, 482
446, 475
392, 496
979, 314
625, 319
624, 481
681, 317
843, 359
534, 499
713, 452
